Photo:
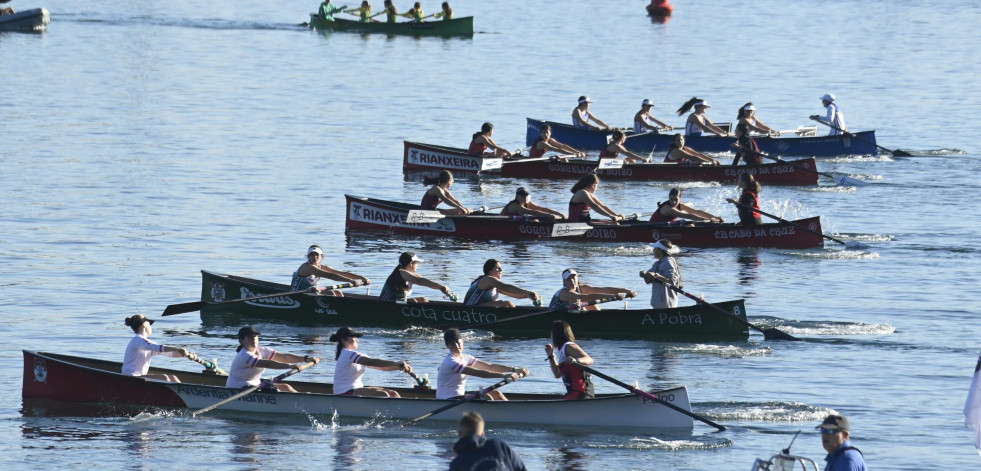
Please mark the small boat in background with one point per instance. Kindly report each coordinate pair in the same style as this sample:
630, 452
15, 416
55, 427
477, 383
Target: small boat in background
591, 139
421, 157
394, 217
455, 27
33, 20
78, 380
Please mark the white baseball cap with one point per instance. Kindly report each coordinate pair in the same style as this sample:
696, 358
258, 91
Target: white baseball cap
585, 99
672, 250
314, 249
569, 273
828, 97
647, 101
702, 103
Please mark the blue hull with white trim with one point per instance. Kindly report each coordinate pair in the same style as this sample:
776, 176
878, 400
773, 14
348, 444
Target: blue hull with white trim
587, 139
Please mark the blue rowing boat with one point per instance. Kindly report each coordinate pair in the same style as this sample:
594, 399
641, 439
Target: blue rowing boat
588, 139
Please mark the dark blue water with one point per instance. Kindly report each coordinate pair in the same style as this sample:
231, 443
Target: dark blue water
144, 142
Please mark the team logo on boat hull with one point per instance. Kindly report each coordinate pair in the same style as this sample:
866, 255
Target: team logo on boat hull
40, 370
218, 292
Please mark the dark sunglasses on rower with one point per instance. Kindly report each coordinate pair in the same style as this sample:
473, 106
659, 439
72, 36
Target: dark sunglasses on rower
828, 431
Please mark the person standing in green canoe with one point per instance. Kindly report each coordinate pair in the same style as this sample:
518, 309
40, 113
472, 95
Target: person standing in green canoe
327, 10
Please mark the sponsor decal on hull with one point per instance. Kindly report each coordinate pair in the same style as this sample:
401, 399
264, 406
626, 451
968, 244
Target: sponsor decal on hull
388, 218
219, 394
278, 302
441, 160
465, 316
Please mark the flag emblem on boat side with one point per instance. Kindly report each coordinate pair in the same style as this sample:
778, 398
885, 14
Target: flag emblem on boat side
217, 292
40, 370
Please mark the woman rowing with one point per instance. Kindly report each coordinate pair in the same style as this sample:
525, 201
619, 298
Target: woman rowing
573, 292
363, 12
309, 274
644, 121
698, 122
482, 140
391, 13
584, 200
747, 122
415, 13
446, 13
139, 351
679, 153
749, 202
564, 357
440, 193
615, 148
398, 285
521, 206
252, 360
485, 289
352, 364
456, 367
671, 210
545, 143
581, 116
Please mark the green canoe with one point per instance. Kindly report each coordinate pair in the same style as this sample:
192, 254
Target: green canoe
689, 323
455, 27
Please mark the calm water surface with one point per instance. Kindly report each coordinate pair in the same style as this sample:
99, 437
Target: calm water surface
146, 141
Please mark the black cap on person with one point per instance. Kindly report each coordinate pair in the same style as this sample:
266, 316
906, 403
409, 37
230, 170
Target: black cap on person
344, 333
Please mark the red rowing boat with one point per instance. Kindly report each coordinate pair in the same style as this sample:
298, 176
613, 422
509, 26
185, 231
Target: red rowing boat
393, 217
421, 157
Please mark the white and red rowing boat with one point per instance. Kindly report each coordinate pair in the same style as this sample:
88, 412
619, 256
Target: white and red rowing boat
393, 217
78, 380
423, 157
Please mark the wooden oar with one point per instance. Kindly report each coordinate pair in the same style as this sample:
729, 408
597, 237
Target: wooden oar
466, 398
839, 179
566, 308
211, 366
650, 396
182, 308
850, 245
769, 334
895, 153
252, 389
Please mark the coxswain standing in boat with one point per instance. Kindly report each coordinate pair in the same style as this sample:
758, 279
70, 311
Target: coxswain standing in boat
644, 121
351, 366
581, 116
440, 192
564, 357
484, 289
398, 286
446, 13
573, 292
746, 123
671, 210
545, 143
521, 206
308, 276
679, 153
363, 12
833, 116
451, 380
252, 360
749, 202
414, 13
665, 271
483, 140
584, 200
615, 148
327, 10
139, 351
698, 122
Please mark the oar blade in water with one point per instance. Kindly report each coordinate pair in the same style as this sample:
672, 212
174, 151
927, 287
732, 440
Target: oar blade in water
776, 334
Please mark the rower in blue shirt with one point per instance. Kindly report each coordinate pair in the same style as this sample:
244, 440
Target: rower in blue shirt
842, 456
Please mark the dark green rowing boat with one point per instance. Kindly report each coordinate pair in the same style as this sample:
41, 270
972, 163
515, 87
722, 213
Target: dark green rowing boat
455, 27
689, 323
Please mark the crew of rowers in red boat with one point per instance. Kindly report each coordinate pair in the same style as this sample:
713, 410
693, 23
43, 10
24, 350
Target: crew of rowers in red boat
584, 201
697, 124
